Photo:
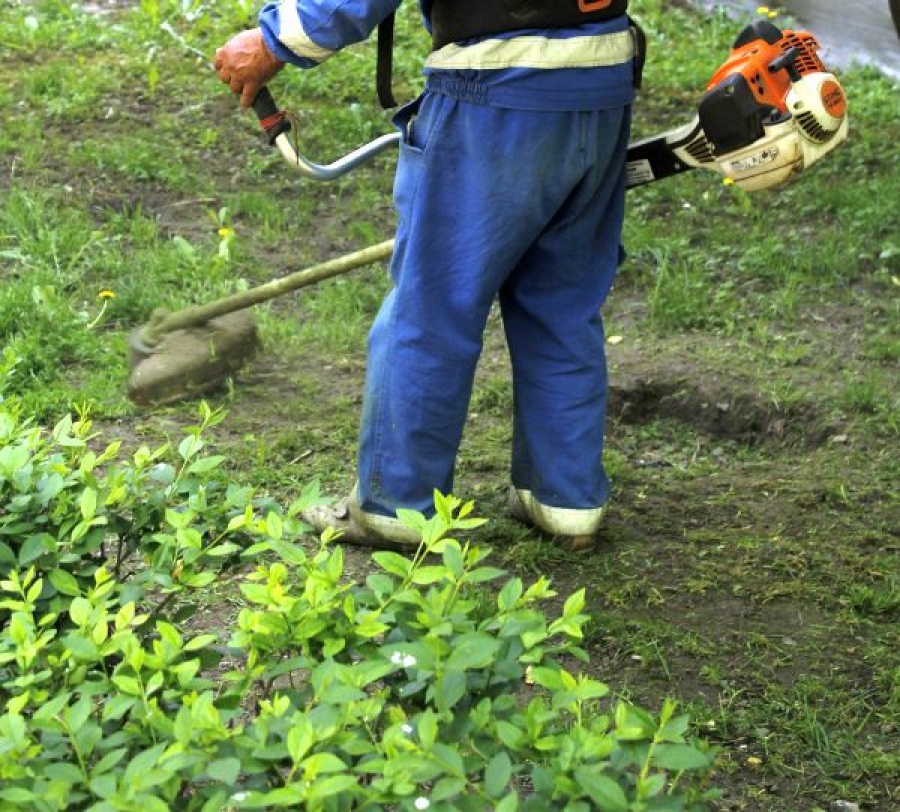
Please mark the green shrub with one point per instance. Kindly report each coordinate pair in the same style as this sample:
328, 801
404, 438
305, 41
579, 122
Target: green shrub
411, 690
68, 510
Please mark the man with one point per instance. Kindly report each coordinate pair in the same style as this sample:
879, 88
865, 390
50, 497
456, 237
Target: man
510, 186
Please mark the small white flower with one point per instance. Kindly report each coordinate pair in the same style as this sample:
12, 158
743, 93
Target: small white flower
397, 658
407, 729
421, 803
239, 796
31, 22
408, 662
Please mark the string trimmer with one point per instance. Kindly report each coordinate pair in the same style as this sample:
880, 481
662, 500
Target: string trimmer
769, 112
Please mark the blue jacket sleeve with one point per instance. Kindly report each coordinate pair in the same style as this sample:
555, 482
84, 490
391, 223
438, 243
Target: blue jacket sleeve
307, 32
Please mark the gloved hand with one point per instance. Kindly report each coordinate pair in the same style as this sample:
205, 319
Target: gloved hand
246, 64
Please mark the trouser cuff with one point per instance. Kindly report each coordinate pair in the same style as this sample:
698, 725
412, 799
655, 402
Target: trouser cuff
385, 527
561, 521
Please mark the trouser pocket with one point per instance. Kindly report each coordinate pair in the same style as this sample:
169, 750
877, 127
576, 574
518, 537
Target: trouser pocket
419, 122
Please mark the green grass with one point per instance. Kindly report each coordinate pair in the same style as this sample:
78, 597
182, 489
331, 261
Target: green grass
750, 567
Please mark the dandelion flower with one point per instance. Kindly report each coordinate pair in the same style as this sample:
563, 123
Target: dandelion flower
762, 10
105, 295
728, 182
226, 232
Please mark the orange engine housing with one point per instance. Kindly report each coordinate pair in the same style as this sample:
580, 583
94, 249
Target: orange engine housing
755, 50
751, 88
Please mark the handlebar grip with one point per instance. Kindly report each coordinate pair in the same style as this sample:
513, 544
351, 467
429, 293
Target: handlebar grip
271, 119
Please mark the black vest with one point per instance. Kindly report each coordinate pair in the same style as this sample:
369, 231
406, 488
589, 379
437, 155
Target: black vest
455, 20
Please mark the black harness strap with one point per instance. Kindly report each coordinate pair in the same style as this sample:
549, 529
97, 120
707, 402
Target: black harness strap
639, 37
385, 68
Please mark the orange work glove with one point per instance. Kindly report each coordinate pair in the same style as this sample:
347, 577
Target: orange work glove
246, 64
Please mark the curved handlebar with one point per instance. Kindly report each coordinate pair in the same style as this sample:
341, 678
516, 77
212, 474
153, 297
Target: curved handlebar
341, 166
277, 128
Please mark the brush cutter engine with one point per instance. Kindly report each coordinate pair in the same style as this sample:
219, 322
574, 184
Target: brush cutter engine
771, 111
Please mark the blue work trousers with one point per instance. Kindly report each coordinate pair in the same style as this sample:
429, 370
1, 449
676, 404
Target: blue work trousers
493, 203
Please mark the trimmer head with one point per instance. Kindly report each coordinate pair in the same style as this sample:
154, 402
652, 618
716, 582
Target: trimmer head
187, 362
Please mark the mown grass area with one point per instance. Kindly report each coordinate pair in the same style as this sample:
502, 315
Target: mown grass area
751, 564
